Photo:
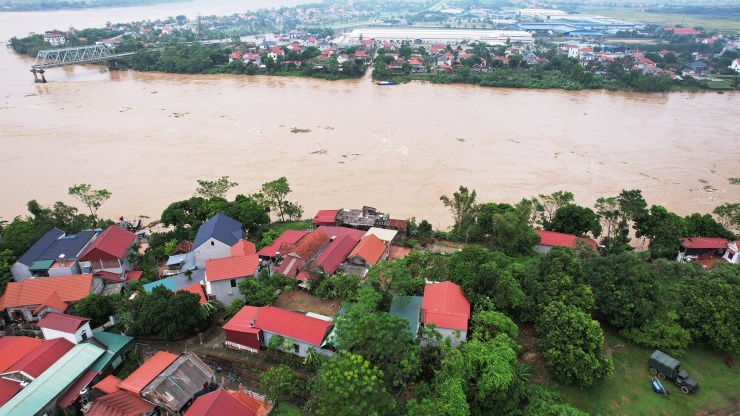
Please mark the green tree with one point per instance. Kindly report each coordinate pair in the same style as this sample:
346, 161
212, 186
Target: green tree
234, 307
279, 383
274, 194
698, 225
728, 215
464, 209
573, 345
664, 229
19, 236
165, 313
92, 198
214, 189
662, 332
7, 258
548, 205
97, 307
486, 325
577, 220
348, 385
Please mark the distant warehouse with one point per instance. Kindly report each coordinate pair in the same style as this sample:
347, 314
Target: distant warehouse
439, 35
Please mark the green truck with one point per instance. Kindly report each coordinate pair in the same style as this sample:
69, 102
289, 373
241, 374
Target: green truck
665, 366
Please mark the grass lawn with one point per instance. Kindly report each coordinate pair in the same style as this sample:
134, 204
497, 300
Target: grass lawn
720, 23
629, 392
280, 227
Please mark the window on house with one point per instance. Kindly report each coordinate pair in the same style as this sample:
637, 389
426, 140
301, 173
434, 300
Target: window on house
84, 335
213, 243
296, 348
233, 282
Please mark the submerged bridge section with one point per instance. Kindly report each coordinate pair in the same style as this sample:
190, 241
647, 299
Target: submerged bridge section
73, 56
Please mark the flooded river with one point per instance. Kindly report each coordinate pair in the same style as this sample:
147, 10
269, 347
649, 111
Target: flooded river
147, 137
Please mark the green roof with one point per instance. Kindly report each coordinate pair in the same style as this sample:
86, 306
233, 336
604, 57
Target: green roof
40, 265
115, 344
53, 382
407, 307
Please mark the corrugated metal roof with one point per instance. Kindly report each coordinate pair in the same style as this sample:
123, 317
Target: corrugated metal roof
288, 236
62, 322
243, 248
109, 384
407, 307
13, 349
143, 375
221, 227
445, 306
38, 360
325, 216
120, 403
8, 389
231, 267
114, 344
554, 239
218, 403
114, 242
73, 392
40, 265
292, 325
35, 291
55, 380
71, 246
370, 249
179, 382
242, 320
383, 234
41, 245
704, 242
335, 253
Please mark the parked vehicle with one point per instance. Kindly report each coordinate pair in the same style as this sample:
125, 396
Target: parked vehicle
665, 366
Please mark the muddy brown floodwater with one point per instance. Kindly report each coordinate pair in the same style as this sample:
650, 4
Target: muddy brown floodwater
147, 137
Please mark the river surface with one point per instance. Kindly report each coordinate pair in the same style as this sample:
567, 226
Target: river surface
148, 137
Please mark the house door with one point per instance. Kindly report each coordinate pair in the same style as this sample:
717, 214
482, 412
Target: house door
17, 316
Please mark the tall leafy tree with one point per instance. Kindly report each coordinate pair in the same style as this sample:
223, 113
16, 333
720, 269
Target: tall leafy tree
274, 193
573, 345
548, 205
664, 229
728, 215
464, 209
214, 189
279, 383
698, 225
97, 307
92, 198
349, 385
577, 220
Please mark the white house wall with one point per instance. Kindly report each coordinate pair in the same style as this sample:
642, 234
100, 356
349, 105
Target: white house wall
302, 346
75, 338
211, 249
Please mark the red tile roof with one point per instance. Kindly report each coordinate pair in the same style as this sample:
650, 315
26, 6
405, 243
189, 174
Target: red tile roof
704, 242
62, 322
398, 224
243, 248
13, 349
133, 275
553, 239
31, 292
292, 325
289, 266
120, 404
109, 384
144, 375
73, 392
53, 302
289, 236
241, 322
370, 249
231, 267
113, 243
325, 217
342, 231
683, 30
197, 289
250, 402
335, 253
307, 246
218, 403
42, 357
445, 306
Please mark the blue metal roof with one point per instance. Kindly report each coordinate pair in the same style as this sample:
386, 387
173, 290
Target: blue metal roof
178, 281
70, 246
40, 246
407, 307
222, 228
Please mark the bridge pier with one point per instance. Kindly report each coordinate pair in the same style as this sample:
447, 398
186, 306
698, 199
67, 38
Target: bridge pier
36, 73
113, 64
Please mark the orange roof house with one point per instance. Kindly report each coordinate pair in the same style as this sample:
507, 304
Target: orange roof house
148, 371
368, 252
27, 300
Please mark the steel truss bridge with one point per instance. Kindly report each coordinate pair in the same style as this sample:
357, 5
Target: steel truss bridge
73, 56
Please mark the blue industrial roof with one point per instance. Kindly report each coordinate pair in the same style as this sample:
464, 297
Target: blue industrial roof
38, 248
52, 382
70, 246
114, 345
407, 307
221, 227
177, 281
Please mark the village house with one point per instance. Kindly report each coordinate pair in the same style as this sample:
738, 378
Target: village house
735, 65
110, 252
43, 394
178, 384
74, 329
215, 239
368, 252
31, 299
54, 254
120, 403
550, 239
333, 254
223, 275
223, 402
295, 255
269, 253
445, 306
732, 254
55, 39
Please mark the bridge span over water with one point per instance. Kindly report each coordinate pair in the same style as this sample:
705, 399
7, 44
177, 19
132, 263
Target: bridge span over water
72, 56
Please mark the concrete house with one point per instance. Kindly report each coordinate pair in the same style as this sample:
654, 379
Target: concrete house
74, 329
54, 254
31, 299
241, 334
223, 276
732, 254
215, 239
302, 331
109, 252
550, 239
445, 306
179, 384
735, 65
